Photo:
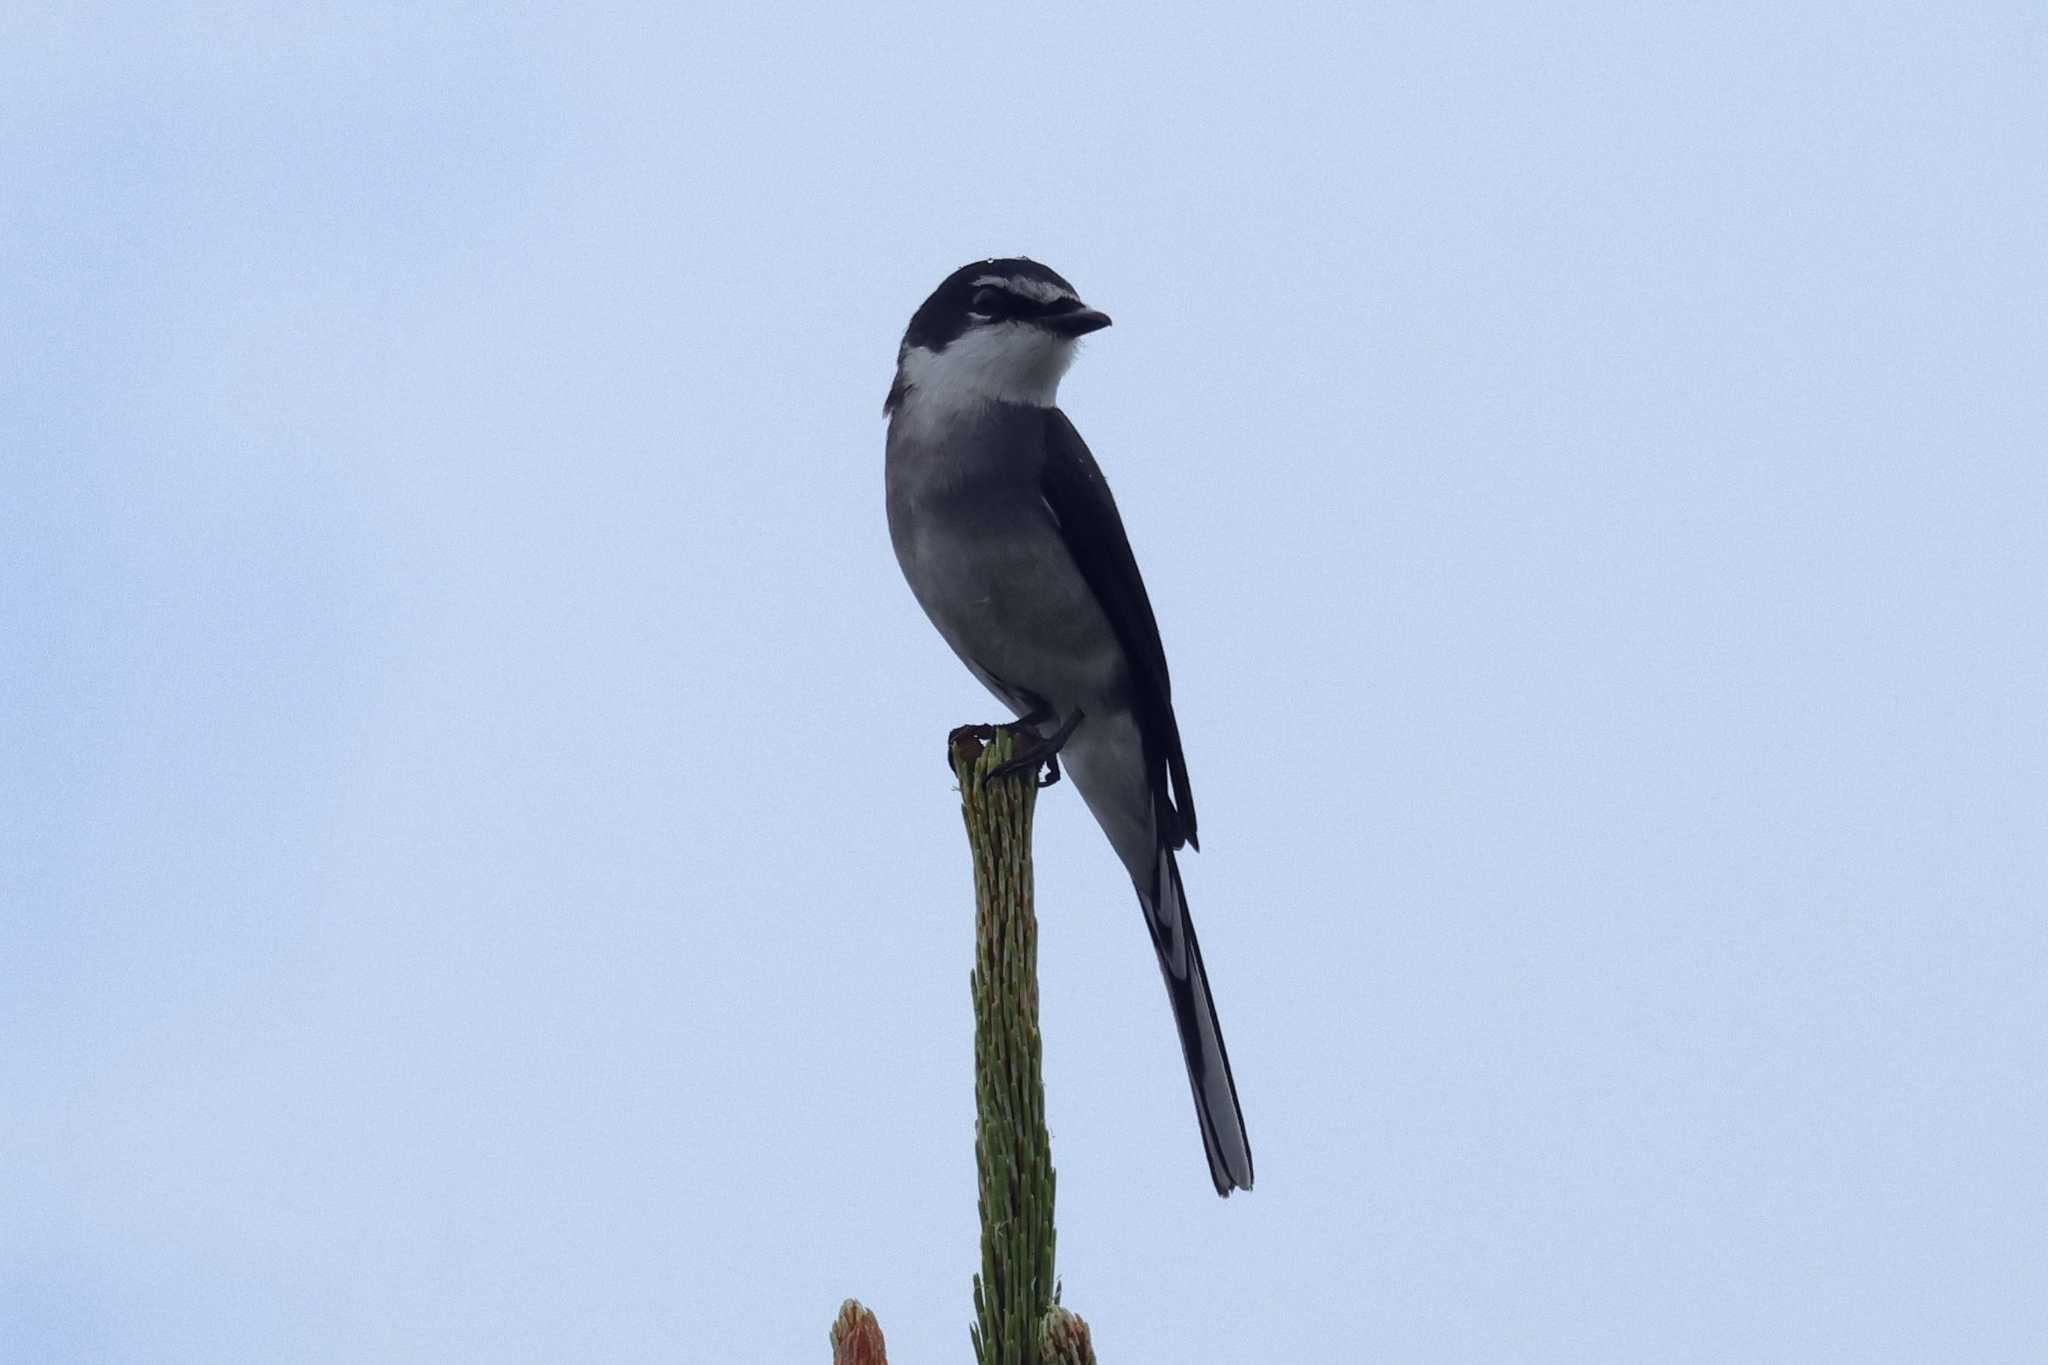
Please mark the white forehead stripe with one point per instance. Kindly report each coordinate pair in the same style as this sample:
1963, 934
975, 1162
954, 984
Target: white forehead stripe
1045, 291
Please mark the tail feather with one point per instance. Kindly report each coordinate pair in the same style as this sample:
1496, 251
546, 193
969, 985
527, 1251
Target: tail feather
1201, 1037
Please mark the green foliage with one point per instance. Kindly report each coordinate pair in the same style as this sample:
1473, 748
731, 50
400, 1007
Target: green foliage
1012, 1150
1017, 1315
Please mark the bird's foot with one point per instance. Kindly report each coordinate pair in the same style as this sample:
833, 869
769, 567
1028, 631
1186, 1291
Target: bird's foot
1035, 751
965, 743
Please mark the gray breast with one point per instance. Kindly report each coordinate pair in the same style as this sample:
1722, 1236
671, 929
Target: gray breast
986, 559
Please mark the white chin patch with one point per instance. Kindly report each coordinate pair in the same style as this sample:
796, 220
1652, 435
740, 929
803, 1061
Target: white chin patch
1009, 362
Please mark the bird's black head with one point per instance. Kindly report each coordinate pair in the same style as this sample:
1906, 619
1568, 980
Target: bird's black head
1001, 329
1000, 290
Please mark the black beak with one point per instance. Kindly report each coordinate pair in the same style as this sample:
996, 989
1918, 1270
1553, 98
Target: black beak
1078, 323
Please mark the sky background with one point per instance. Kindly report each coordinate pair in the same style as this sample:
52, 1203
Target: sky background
479, 879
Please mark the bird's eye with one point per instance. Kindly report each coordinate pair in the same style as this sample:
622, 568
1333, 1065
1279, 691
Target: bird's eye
988, 302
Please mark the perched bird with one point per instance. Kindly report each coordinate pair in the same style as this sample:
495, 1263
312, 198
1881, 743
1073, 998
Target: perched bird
1013, 546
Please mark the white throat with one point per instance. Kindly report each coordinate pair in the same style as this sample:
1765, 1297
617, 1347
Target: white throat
1009, 362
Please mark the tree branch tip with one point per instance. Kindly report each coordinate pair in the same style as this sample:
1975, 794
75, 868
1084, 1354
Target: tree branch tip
965, 744
857, 1337
1063, 1339
973, 750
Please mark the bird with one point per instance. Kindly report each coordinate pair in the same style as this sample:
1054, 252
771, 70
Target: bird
1010, 539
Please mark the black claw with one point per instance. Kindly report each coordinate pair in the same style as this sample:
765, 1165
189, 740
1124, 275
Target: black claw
1037, 752
977, 735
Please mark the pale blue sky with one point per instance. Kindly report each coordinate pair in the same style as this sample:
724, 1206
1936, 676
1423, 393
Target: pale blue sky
480, 882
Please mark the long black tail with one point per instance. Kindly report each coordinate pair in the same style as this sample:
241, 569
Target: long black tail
1201, 1038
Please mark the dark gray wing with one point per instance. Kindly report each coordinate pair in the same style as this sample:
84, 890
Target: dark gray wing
1080, 501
